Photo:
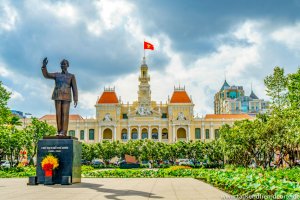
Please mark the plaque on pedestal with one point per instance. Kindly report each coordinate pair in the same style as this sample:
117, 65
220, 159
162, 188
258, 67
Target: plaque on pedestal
68, 151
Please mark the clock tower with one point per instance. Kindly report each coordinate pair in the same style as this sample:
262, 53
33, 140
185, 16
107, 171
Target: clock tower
144, 92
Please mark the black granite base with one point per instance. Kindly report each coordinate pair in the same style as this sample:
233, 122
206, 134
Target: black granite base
68, 152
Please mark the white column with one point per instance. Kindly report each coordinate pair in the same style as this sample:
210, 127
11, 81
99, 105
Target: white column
174, 135
128, 133
77, 134
203, 132
99, 133
115, 133
159, 133
86, 138
189, 133
212, 135
149, 132
139, 133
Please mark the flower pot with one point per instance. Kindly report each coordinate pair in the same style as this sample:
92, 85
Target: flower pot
48, 180
48, 172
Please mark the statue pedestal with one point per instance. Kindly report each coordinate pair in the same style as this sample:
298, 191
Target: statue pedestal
68, 151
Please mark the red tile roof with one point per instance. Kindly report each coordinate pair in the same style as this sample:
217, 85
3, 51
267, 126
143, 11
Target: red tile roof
108, 97
180, 97
228, 116
53, 117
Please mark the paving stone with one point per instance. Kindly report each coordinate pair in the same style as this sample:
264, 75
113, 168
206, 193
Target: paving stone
113, 188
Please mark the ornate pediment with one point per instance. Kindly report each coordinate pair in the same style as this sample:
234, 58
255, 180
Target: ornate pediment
143, 111
181, 116
107, 118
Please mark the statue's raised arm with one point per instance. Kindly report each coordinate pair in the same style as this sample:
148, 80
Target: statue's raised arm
45, 62
45, 71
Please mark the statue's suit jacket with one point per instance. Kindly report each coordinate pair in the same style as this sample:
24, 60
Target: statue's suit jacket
63, 85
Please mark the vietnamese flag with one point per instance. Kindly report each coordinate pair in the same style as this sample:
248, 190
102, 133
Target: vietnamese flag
147, 45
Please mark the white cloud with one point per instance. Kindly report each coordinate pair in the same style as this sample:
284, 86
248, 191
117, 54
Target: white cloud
64, 12
111, 14
15, 96
4, 72
87, 99
8, 16
288, 36
249, 31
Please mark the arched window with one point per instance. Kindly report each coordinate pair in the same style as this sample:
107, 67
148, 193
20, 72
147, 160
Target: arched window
91, 134
124, 134
134, 134
164, 133
81, 134
181, 133
144, 133
154, 134
107, 134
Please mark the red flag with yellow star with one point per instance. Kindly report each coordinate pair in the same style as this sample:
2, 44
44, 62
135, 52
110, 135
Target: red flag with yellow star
147, 45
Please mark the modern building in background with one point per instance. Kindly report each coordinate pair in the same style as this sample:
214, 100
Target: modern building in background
232, 100
145, 118
18, 113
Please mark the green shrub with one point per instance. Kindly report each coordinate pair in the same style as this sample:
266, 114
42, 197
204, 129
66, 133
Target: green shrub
16, 172
86, 168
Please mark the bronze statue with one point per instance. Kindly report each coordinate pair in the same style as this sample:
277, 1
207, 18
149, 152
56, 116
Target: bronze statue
64, 81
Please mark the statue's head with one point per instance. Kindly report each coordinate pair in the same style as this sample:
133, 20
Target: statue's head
64, 64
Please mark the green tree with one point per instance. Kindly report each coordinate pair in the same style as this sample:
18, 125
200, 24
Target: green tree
34, 132
293, 85
149, 151
12, 140
4, 111
276, 87
89, 151
106, 150
195, 150
133, 148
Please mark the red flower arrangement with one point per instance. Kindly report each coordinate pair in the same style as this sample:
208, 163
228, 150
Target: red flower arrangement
49, 163
48, 166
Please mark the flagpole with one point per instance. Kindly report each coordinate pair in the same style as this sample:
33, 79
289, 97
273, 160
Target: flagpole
144, 48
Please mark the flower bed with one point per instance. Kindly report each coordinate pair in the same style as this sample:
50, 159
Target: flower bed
241, 181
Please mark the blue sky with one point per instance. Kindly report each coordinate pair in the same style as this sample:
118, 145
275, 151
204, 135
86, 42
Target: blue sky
196, 43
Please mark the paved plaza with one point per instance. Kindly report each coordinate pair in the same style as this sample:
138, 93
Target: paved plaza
113, 188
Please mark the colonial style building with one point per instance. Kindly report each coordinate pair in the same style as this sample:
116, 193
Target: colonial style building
145, 118
232, 100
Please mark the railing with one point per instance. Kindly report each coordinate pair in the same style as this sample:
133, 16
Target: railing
181, 139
